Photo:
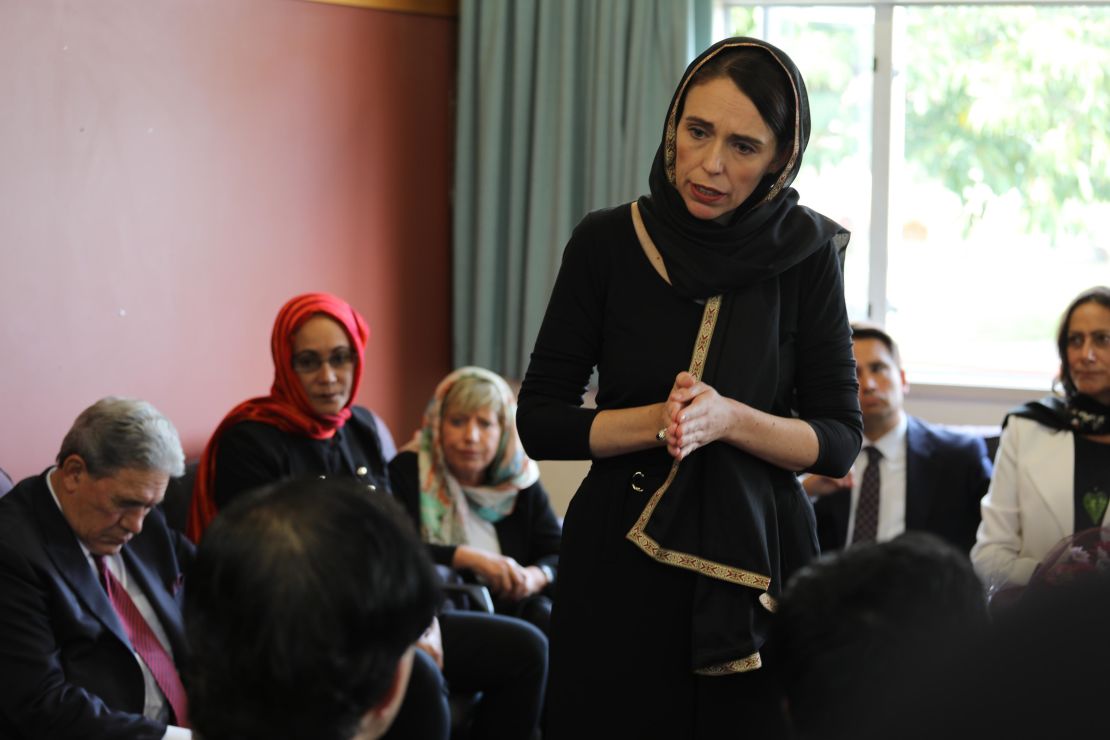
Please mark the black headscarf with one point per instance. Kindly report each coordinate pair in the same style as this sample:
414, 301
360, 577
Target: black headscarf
767, 234
738, 521
1078, 413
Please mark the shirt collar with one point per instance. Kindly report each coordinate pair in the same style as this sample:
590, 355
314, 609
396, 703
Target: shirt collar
892, 444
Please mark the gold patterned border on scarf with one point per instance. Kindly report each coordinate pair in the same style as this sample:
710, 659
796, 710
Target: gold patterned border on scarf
653, 549
639, 536
743, 665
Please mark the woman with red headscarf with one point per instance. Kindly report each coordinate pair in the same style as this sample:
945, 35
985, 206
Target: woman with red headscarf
307, 426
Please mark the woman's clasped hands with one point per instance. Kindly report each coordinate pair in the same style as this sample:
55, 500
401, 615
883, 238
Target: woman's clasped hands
503, 575
695, 414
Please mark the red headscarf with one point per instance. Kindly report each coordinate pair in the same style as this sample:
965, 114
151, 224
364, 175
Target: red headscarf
287, 407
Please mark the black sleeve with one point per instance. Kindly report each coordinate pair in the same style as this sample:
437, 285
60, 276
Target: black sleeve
552, 423
248, 455
827, 392
403, 475
531, 534
367, 441
385, 437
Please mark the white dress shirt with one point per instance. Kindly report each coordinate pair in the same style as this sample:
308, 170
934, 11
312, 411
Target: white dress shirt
892, 482
155, 706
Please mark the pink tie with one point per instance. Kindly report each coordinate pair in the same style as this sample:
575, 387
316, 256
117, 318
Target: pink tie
145, 642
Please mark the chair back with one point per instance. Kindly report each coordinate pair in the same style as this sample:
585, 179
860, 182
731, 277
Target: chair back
179, 495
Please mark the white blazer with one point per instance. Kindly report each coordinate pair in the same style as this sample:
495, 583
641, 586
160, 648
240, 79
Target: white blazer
1030, 505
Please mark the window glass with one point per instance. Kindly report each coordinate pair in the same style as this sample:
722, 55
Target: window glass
833, 47
999, 201
999, 166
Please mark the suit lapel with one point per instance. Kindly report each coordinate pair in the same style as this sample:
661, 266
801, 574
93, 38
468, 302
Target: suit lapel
63, 549
1051, 469
919, 447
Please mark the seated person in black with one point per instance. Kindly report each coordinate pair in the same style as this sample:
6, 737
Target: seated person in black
267, 660
307, 426
477, 497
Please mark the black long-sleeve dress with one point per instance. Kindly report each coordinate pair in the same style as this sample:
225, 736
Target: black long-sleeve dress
622, 652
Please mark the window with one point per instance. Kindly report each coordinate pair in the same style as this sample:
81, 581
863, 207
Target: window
966, 148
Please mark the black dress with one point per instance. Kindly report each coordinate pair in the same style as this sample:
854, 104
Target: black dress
621, 651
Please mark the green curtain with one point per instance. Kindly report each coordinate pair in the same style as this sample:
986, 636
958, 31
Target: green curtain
560, 111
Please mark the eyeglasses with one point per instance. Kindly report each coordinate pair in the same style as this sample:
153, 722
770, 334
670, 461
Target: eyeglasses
310, 362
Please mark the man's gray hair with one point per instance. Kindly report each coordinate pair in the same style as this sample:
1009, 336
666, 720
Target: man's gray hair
124, 433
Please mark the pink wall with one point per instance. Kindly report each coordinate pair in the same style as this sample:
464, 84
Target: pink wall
171, 171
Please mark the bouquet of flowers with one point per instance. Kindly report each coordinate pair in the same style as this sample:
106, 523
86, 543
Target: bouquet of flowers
1081, 555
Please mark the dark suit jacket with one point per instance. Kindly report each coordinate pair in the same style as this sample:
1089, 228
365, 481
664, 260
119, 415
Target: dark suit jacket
66, 666
947, 473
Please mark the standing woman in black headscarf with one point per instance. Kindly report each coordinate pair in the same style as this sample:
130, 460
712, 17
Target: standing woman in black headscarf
713, 310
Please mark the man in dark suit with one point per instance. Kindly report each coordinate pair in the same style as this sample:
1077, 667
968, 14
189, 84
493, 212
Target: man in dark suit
909, 475
90, 576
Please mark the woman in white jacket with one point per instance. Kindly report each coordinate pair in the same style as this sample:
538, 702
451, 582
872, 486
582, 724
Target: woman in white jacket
1052, 472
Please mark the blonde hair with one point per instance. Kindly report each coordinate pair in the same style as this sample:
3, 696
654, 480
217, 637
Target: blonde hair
471, 393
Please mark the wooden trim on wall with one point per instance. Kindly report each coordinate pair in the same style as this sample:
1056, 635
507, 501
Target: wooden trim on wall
448, 8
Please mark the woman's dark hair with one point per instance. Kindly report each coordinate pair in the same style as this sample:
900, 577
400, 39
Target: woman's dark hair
1099, 294
301, 601
757, 74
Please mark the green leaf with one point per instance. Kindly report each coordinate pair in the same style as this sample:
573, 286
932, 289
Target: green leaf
1094, 503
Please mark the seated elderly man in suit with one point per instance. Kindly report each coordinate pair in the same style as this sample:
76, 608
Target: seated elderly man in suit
90, 627
909, 475
303, 607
